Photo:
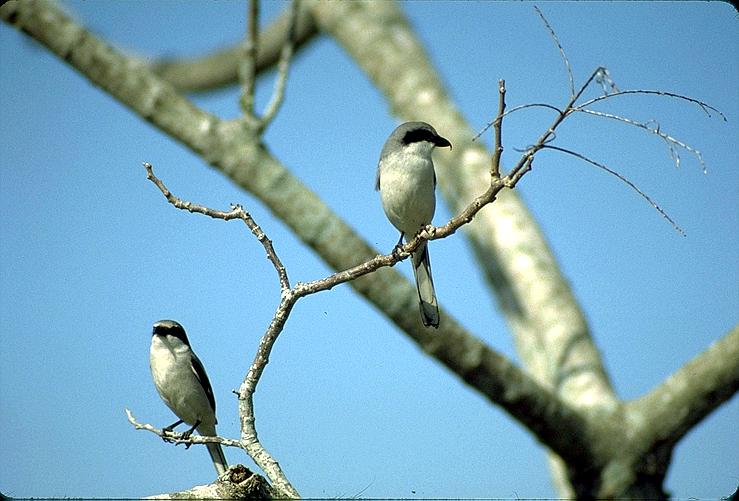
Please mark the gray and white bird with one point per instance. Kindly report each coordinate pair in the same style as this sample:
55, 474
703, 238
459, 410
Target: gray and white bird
406, 181
182, 383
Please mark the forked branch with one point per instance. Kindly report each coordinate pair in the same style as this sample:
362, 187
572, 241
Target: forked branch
289, 296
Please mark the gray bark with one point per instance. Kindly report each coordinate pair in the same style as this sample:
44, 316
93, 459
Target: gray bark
601, 446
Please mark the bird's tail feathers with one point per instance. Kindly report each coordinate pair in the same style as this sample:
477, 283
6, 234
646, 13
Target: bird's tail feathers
215, 450
425, 287
219, 459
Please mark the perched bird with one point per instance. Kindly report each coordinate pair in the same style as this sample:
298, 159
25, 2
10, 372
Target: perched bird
182, 383
406, 181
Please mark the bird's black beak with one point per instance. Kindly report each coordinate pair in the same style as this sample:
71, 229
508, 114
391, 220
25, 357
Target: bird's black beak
443, 142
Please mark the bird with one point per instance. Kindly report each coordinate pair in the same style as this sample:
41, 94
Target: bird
181, 381
406, 181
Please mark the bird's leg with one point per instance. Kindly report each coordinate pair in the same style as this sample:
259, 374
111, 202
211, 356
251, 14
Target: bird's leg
170, 428
187, 434
396, 249
167, 430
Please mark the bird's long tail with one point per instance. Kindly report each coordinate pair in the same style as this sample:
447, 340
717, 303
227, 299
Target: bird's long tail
215, 450
425, 287
219, 459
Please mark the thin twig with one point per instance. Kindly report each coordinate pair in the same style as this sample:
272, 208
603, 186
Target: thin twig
561, 50
707, 108
671, 141
283, 67
178, 438
236, 212
622, 178
498, 141
513, 110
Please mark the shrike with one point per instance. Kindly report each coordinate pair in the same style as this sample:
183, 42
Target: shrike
182, 383
406, 181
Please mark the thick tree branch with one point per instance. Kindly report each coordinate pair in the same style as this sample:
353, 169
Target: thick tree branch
550, 420
669, 411
561, 404
251, 166
550, 330
220, 68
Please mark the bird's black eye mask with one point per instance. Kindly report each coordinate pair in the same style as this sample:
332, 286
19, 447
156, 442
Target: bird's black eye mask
418, 135
171, 330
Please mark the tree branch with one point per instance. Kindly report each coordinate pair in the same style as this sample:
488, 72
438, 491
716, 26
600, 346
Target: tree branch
669, 411
551, 333
238, 154
550, 420
220, 68
236, 212
249, 439
179, 438
248, 67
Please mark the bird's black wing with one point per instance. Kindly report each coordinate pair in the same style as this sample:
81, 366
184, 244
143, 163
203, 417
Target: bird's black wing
199, 370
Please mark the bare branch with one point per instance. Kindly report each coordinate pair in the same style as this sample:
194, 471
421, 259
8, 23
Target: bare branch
671, 141
550, 419
561, 50
282, 68
513, 110
622, 178
249, 440
671, 409
178, 438
236, 212
498, 141
248, 66
249, 437
707, 108
221, 68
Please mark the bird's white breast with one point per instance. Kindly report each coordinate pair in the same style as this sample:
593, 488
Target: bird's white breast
171, 370
407, 190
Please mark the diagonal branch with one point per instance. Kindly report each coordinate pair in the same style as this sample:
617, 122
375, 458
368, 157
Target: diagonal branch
236, 212
622, 178
220, 68
283, 66
551, 332
229, 149
565, 60
671, 409
656, 130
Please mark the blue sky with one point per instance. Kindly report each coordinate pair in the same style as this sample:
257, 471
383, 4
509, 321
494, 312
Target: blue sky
91, 255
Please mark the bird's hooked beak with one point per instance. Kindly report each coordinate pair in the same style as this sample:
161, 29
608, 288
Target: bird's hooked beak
442, 141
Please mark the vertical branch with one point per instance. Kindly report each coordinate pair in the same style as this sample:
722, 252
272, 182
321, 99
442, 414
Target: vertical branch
282, 67
249, 437
249, 64
498, 146
561, 50
249, 67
